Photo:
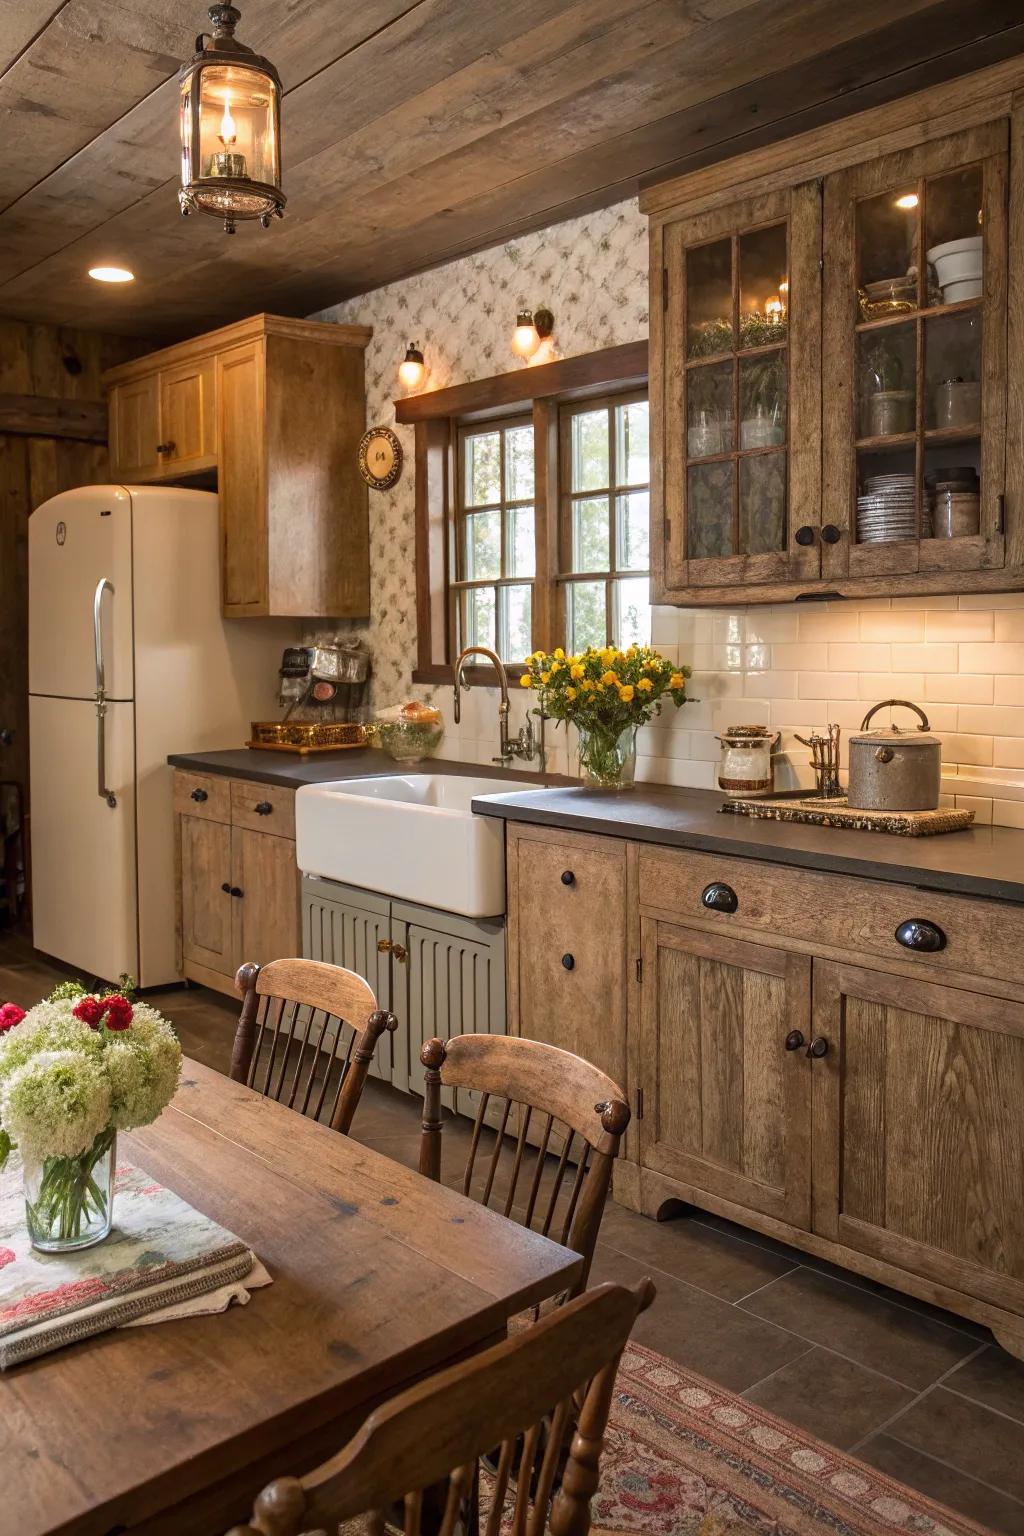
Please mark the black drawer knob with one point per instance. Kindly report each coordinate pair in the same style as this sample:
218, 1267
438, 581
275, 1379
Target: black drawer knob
718, 897
569, 961
165, 447
226, 888
568, 878
263, 808
794, 1040
818, 1047
236, 890
804, 535
919, 934
200, 795
830, 534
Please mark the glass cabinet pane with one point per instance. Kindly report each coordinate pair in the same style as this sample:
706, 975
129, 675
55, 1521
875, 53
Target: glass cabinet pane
952, 372
887, 254
763, 400
953, 235
710, 497
762, 511
764, 286
886, 381
710, 398
709, 299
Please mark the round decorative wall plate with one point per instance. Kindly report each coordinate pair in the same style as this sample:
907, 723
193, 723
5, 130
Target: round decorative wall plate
380, 458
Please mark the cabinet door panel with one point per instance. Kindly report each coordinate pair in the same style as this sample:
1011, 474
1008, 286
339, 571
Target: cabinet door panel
919, 1136
242, 479
456, 986
187, 423
349, 933
135, 429
726, 1105
206, 914
266, 914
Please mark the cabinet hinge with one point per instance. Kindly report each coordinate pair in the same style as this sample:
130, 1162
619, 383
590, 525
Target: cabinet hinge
1001, 514
664, 287
639, 967
639, 1104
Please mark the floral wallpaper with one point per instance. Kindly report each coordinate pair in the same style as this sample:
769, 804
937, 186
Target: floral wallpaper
591, 273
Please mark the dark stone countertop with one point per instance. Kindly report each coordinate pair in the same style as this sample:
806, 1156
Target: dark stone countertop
978, 861
290, 771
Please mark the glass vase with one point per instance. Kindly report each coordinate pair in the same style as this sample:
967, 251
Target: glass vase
607, 756
69, 1200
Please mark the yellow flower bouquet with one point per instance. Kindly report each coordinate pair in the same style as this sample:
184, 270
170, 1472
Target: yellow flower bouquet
606, 694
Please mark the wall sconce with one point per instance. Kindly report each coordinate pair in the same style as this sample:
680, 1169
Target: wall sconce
532, 327
412, 370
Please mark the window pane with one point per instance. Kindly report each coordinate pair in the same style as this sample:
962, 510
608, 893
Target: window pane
516, 622
483, 469
482, 533
519, 464
585, 607
522, 550
590, 534
633, 615
633, 531
478, 617
632, 454
590, 450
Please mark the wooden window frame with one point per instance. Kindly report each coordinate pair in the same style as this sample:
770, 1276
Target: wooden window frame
436, 416
566, 576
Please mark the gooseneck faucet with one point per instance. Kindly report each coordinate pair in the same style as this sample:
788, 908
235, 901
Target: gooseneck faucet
525, 744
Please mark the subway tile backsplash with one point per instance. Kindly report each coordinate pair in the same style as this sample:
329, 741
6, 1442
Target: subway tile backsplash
798, 668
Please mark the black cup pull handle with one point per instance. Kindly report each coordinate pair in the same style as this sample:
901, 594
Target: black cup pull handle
568, 878
718, 897
818, 1047
226, 888
794, 1040
263, 808
830, 534
919, 934
569, 961
804, 535
200, 795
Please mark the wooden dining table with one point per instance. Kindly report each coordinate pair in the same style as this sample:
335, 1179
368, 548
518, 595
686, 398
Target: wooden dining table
379, 1275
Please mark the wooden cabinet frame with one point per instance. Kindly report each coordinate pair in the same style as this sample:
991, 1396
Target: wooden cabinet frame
953, 124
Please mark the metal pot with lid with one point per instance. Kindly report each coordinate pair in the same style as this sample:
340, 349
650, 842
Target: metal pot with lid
896, 768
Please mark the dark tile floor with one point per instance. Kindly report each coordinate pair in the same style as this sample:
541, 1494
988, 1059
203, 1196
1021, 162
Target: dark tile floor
923, 1395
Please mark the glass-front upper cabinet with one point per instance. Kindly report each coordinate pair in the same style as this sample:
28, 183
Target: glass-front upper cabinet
914, 359
741, 446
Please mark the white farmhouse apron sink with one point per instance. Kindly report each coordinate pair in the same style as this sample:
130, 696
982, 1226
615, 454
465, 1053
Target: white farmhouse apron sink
408, 835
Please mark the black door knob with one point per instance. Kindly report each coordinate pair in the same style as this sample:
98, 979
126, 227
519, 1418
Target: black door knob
236, 890
794, 1040
165, 447
569, 962
6, 737
263, 808
918, 933
226, 888
200, 795
830, 534
718, 897
818, 1047
804, 535
568, 878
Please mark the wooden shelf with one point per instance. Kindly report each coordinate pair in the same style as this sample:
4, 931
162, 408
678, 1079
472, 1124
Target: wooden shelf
908, 316
892, 442
728, 355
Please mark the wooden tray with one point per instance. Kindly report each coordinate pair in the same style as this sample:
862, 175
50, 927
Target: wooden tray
304, 751
836, 813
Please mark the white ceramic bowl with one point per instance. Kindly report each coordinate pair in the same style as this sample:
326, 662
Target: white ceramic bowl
957, 261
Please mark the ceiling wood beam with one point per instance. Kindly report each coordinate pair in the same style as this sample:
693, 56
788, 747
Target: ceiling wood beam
39, 416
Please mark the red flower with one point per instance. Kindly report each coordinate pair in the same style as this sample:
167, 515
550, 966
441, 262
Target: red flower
10, 1014
7, 1256
89, 1010
119, 1011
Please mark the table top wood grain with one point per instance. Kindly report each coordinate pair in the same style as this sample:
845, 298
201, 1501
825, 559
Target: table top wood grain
379, 1275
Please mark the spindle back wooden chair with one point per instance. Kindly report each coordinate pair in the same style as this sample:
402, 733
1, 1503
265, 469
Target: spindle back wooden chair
559, 1186
422, 1449
306, 1036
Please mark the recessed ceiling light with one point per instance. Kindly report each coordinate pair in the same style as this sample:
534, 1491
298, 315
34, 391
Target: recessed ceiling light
112, 274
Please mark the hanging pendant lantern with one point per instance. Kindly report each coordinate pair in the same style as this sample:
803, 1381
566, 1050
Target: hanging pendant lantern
230, 104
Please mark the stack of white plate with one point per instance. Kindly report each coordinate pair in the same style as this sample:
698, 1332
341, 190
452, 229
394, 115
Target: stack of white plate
887, 509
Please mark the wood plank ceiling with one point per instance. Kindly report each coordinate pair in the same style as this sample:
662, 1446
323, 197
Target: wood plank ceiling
413, 130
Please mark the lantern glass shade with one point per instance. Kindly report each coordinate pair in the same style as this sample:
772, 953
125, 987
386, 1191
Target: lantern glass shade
230, 139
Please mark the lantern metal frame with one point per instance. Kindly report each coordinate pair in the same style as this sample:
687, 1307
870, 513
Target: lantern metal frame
220, 48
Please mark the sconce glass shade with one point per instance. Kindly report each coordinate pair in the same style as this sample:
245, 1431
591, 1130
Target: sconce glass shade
525, 338
230, 113
412, 369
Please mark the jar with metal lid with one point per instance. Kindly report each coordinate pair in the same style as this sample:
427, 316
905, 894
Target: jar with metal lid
745, 767
898, 768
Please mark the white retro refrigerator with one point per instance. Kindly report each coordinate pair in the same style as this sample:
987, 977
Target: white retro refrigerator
129, 660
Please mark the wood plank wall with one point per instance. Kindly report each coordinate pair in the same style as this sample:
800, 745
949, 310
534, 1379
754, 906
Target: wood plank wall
47, 367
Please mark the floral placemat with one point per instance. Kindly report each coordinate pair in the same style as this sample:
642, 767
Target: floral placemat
160, 1253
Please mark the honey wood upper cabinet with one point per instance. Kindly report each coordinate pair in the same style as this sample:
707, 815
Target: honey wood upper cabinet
274, 409
836, 336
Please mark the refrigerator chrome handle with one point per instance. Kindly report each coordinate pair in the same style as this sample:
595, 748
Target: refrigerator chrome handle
101, 695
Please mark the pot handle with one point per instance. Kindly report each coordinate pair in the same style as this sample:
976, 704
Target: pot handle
904, 704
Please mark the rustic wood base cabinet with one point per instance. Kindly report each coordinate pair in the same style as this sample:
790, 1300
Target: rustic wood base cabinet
790, 1065
837, 332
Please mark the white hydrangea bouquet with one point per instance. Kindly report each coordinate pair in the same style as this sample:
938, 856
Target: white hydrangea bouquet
74, 1070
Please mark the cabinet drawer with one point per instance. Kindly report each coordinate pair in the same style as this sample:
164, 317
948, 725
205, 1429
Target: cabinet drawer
836, 912
202, 794
263, 808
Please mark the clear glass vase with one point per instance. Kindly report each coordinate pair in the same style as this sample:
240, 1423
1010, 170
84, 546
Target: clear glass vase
607, 756
69, 1201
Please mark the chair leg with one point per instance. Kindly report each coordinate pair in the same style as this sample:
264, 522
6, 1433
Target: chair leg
432, 1057
355, 1077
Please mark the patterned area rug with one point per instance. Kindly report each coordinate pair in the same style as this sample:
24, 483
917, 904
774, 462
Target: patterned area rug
686, 1458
